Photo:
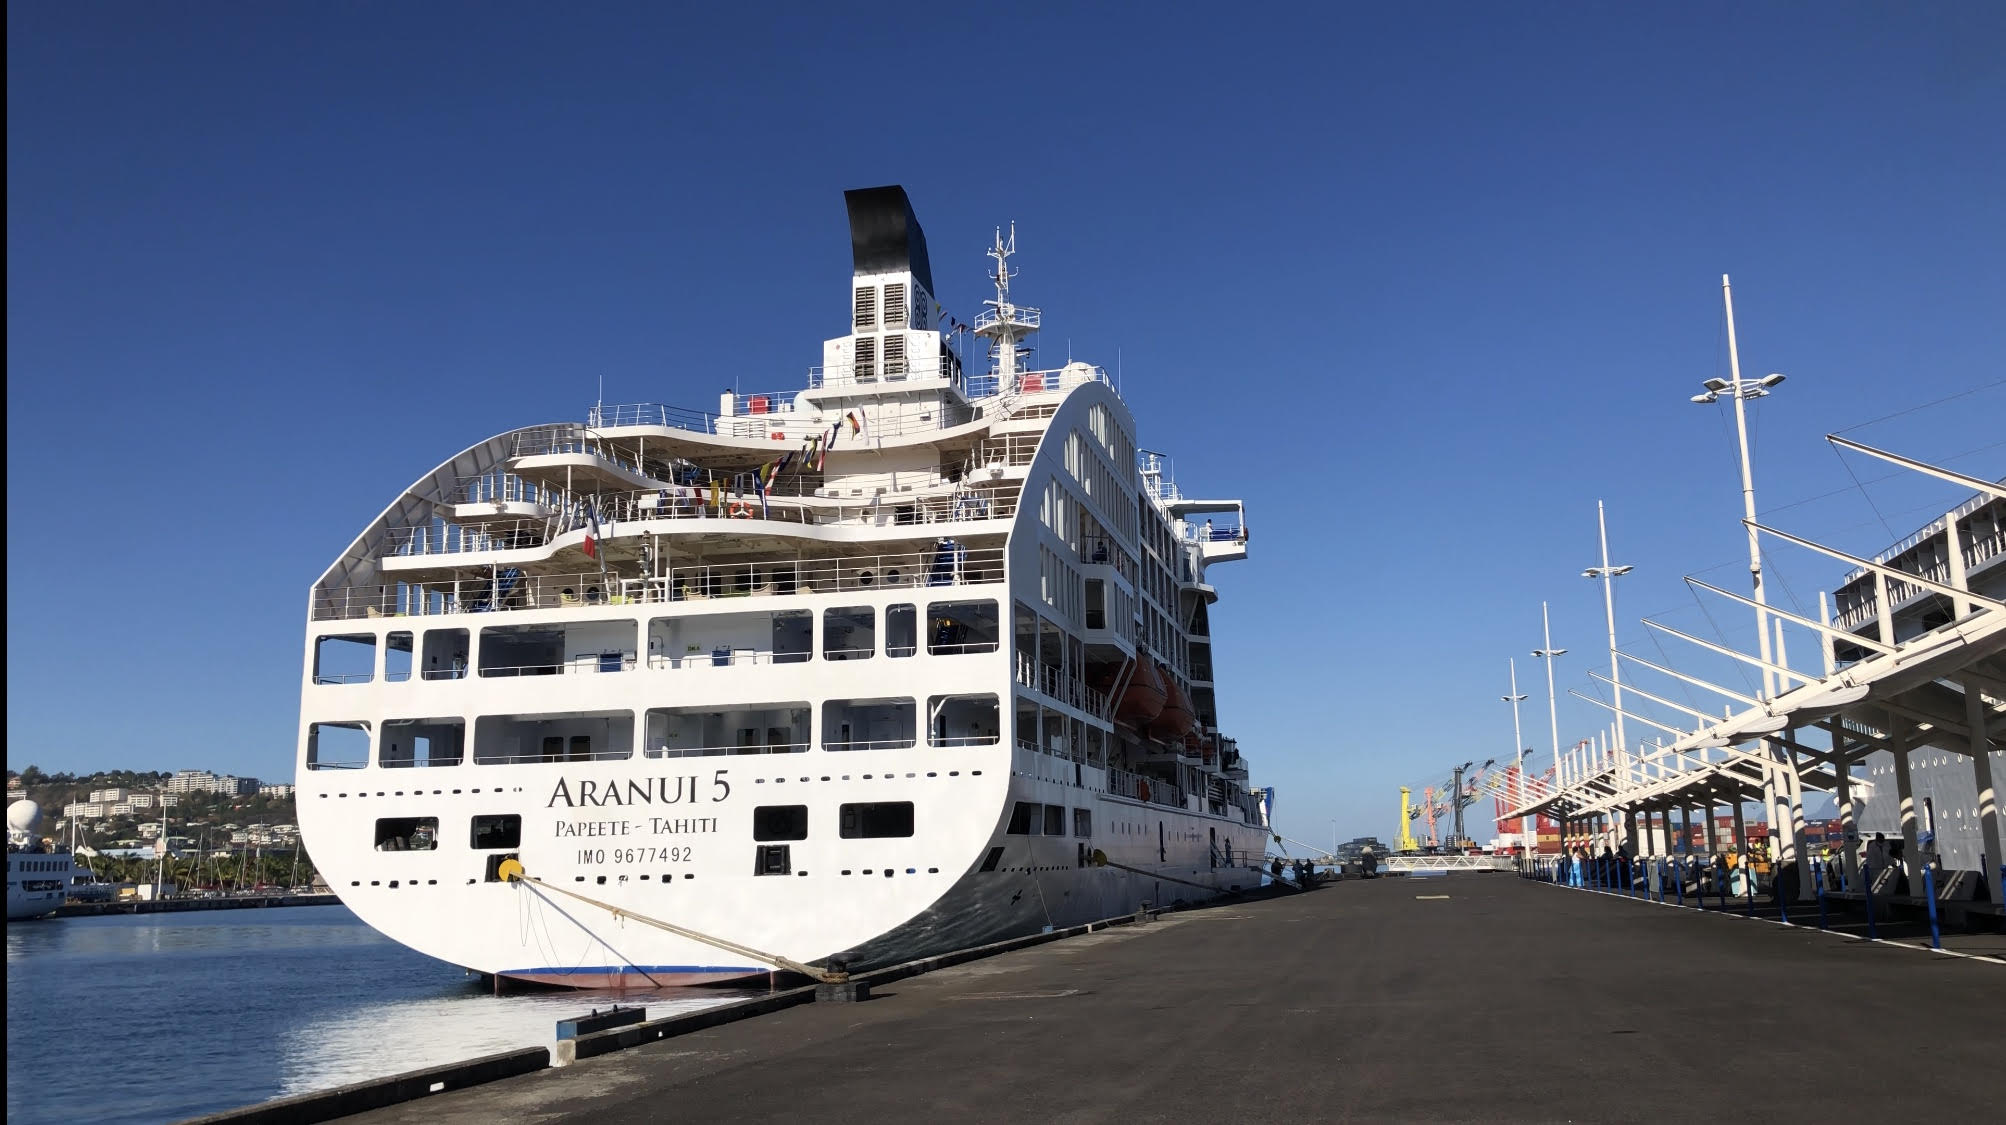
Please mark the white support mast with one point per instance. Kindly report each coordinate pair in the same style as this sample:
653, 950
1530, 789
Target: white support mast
1004, 324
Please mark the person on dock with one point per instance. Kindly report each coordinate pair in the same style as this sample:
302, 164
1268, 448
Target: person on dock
1275, 869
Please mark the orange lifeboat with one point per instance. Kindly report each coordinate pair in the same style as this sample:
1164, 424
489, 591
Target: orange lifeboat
1143, 701
1176, 718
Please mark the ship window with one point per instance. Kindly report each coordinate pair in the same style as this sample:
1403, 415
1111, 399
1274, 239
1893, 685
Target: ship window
445, 654
994, 857
695, 732
590, 735
337, 746
423, 742
407, 834
1025, 819
877, 820
397, 657
772, 859
850, 633
963, 720
1096, 604
1083, 822
958, 627
868, 724
349, 659
549, 650
901, 630
498, 831
780, 822
1055, 820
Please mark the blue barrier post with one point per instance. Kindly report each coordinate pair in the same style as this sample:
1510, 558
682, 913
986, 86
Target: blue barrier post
1720, 878
1819, 874
1776, 890
1929, 895
1679, 874
1867, 885
1748, 886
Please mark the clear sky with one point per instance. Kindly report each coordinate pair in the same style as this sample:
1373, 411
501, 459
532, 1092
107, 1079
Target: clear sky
1420, 282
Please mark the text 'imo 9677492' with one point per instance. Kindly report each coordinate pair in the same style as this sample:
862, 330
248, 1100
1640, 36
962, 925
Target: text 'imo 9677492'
908, 660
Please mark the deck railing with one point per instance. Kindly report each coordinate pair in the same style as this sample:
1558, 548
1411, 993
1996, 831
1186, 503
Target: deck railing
917, 570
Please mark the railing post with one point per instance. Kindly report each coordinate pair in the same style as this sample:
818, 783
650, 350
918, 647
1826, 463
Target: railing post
1818, 873
1929, 895
1867, 884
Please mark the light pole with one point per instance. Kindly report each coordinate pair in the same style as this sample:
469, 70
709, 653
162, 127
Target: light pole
1527, 825
1742, 391
1552, 709
1608, 574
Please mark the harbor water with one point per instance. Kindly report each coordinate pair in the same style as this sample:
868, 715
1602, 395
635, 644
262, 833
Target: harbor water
153, 1018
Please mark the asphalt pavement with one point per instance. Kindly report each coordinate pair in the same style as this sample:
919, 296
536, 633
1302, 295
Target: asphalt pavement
1477, 997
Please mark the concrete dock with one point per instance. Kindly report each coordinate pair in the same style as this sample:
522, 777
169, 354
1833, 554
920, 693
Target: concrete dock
1381, 1000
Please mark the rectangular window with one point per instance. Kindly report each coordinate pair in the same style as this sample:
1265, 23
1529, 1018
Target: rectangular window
1055, 820
901, 630
1025, 819
868, 724
959, 627
1096, 604
849, 633
713, 640
551, 650
963, 720
407, 834
423, 742
1083, 823
697, 732
445, 655
773, 859
349, 659
499, 831
397, 657
780, 822
337, 746
877, 820
596, 736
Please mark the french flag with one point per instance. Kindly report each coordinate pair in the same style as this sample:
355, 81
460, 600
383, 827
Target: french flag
592, 532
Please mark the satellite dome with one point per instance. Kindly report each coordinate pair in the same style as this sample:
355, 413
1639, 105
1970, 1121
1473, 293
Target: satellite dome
22, 815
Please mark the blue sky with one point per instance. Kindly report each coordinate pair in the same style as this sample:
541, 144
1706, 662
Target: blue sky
1421, 285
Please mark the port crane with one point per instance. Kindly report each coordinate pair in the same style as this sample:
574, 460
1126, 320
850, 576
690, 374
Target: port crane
1448, 798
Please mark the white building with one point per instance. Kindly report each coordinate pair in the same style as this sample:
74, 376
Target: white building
275, 790
123, 808
108, 796
141, 800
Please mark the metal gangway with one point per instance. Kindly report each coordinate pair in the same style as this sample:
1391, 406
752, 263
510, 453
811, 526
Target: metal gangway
1408, 864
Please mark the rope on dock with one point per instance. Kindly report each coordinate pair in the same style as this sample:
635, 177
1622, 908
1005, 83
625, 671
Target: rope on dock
514, 873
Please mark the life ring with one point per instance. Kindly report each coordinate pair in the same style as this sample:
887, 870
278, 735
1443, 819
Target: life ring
1141, 789
740, 510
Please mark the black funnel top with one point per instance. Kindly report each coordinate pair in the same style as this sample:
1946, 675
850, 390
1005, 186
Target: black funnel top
885, 235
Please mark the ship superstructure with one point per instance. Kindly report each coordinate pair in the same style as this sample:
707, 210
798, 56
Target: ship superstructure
906, 660
39, 871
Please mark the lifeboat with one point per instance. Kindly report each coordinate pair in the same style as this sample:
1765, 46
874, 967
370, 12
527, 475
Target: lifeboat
1144, 698
1176, 718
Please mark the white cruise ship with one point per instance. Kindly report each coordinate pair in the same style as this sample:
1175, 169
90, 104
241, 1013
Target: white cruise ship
905, 661
39, 875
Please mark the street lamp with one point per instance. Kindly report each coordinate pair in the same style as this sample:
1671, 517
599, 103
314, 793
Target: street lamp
1740, 390
1608, 574
1552, 706
1519, 751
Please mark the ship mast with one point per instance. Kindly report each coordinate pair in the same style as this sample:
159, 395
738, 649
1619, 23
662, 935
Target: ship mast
1004, 323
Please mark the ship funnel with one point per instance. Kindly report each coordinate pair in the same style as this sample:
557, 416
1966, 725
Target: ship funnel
885, 235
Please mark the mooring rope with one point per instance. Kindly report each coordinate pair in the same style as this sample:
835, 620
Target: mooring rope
519, 875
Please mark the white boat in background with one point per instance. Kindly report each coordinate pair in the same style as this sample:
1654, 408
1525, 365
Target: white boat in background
39, 875
906, 660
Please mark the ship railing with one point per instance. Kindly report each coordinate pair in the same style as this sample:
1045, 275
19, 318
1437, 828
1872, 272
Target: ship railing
347, 678
929, 568
665, 751
626, 663
882, 371
595, 754
726, 658
1933, 528
990, 317
888, 510
868, 744
651, 414
958, 740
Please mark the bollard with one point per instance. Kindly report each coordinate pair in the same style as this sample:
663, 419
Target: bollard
1819, 875
1867, 885
1929, 894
